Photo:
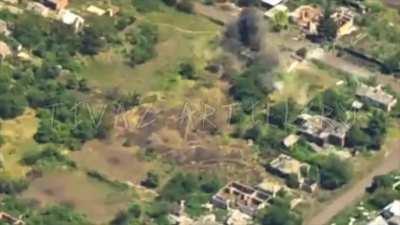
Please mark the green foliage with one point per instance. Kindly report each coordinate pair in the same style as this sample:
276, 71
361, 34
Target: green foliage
143, 40
283, 113
247, 87
151, 181
332, 103
328, 28
187, 70
146, 6
280, 21
334, 172
11, 186
185, 6
49, 157
292, 181
128, 217
92, 41
280, 214
382, 197
357, 138
11, 105
60, 215
194, 189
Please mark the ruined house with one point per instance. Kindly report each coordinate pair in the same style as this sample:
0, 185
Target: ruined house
307, 17
322, 130
285, 166
376, 96
72, 19
242, 197
344, 19
390, 215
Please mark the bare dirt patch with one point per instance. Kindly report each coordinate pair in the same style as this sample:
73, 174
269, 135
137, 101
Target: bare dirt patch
92, 198
114, 161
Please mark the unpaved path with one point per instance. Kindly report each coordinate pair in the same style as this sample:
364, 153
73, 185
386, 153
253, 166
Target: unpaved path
338, 63
390, 162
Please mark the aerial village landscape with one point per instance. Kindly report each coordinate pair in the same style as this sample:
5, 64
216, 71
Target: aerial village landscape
199, 112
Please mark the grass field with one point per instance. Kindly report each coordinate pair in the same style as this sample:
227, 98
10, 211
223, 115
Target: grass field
181, 36
18, 135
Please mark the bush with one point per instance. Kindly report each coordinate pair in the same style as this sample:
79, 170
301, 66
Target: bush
9, 186
334, 173
170, 2
151, 181
185, 6
146, 6
49, 157
187, 70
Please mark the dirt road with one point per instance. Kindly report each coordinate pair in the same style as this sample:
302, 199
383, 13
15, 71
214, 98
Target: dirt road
356, 191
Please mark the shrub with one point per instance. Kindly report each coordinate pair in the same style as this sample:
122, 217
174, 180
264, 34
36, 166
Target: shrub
185, 6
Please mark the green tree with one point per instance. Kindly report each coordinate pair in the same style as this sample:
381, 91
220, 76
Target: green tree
280, 215
11, 105
280, 21
356, 137
187, 70
334, 172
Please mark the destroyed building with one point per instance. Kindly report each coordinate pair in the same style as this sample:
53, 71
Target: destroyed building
286, 166
308, 17
322, 130
344, 19
376, 96
242, 197
390, 215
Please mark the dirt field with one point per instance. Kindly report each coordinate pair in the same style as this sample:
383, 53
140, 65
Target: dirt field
114, 161
392, 3
90, 197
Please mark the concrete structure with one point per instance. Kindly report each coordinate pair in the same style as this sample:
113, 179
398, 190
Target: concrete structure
270, 187
307, 17
285, 166
72, 19
242, 197
376, 96
322, 130
56, 4
390, 215
290, 140
344, 18
96, 10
